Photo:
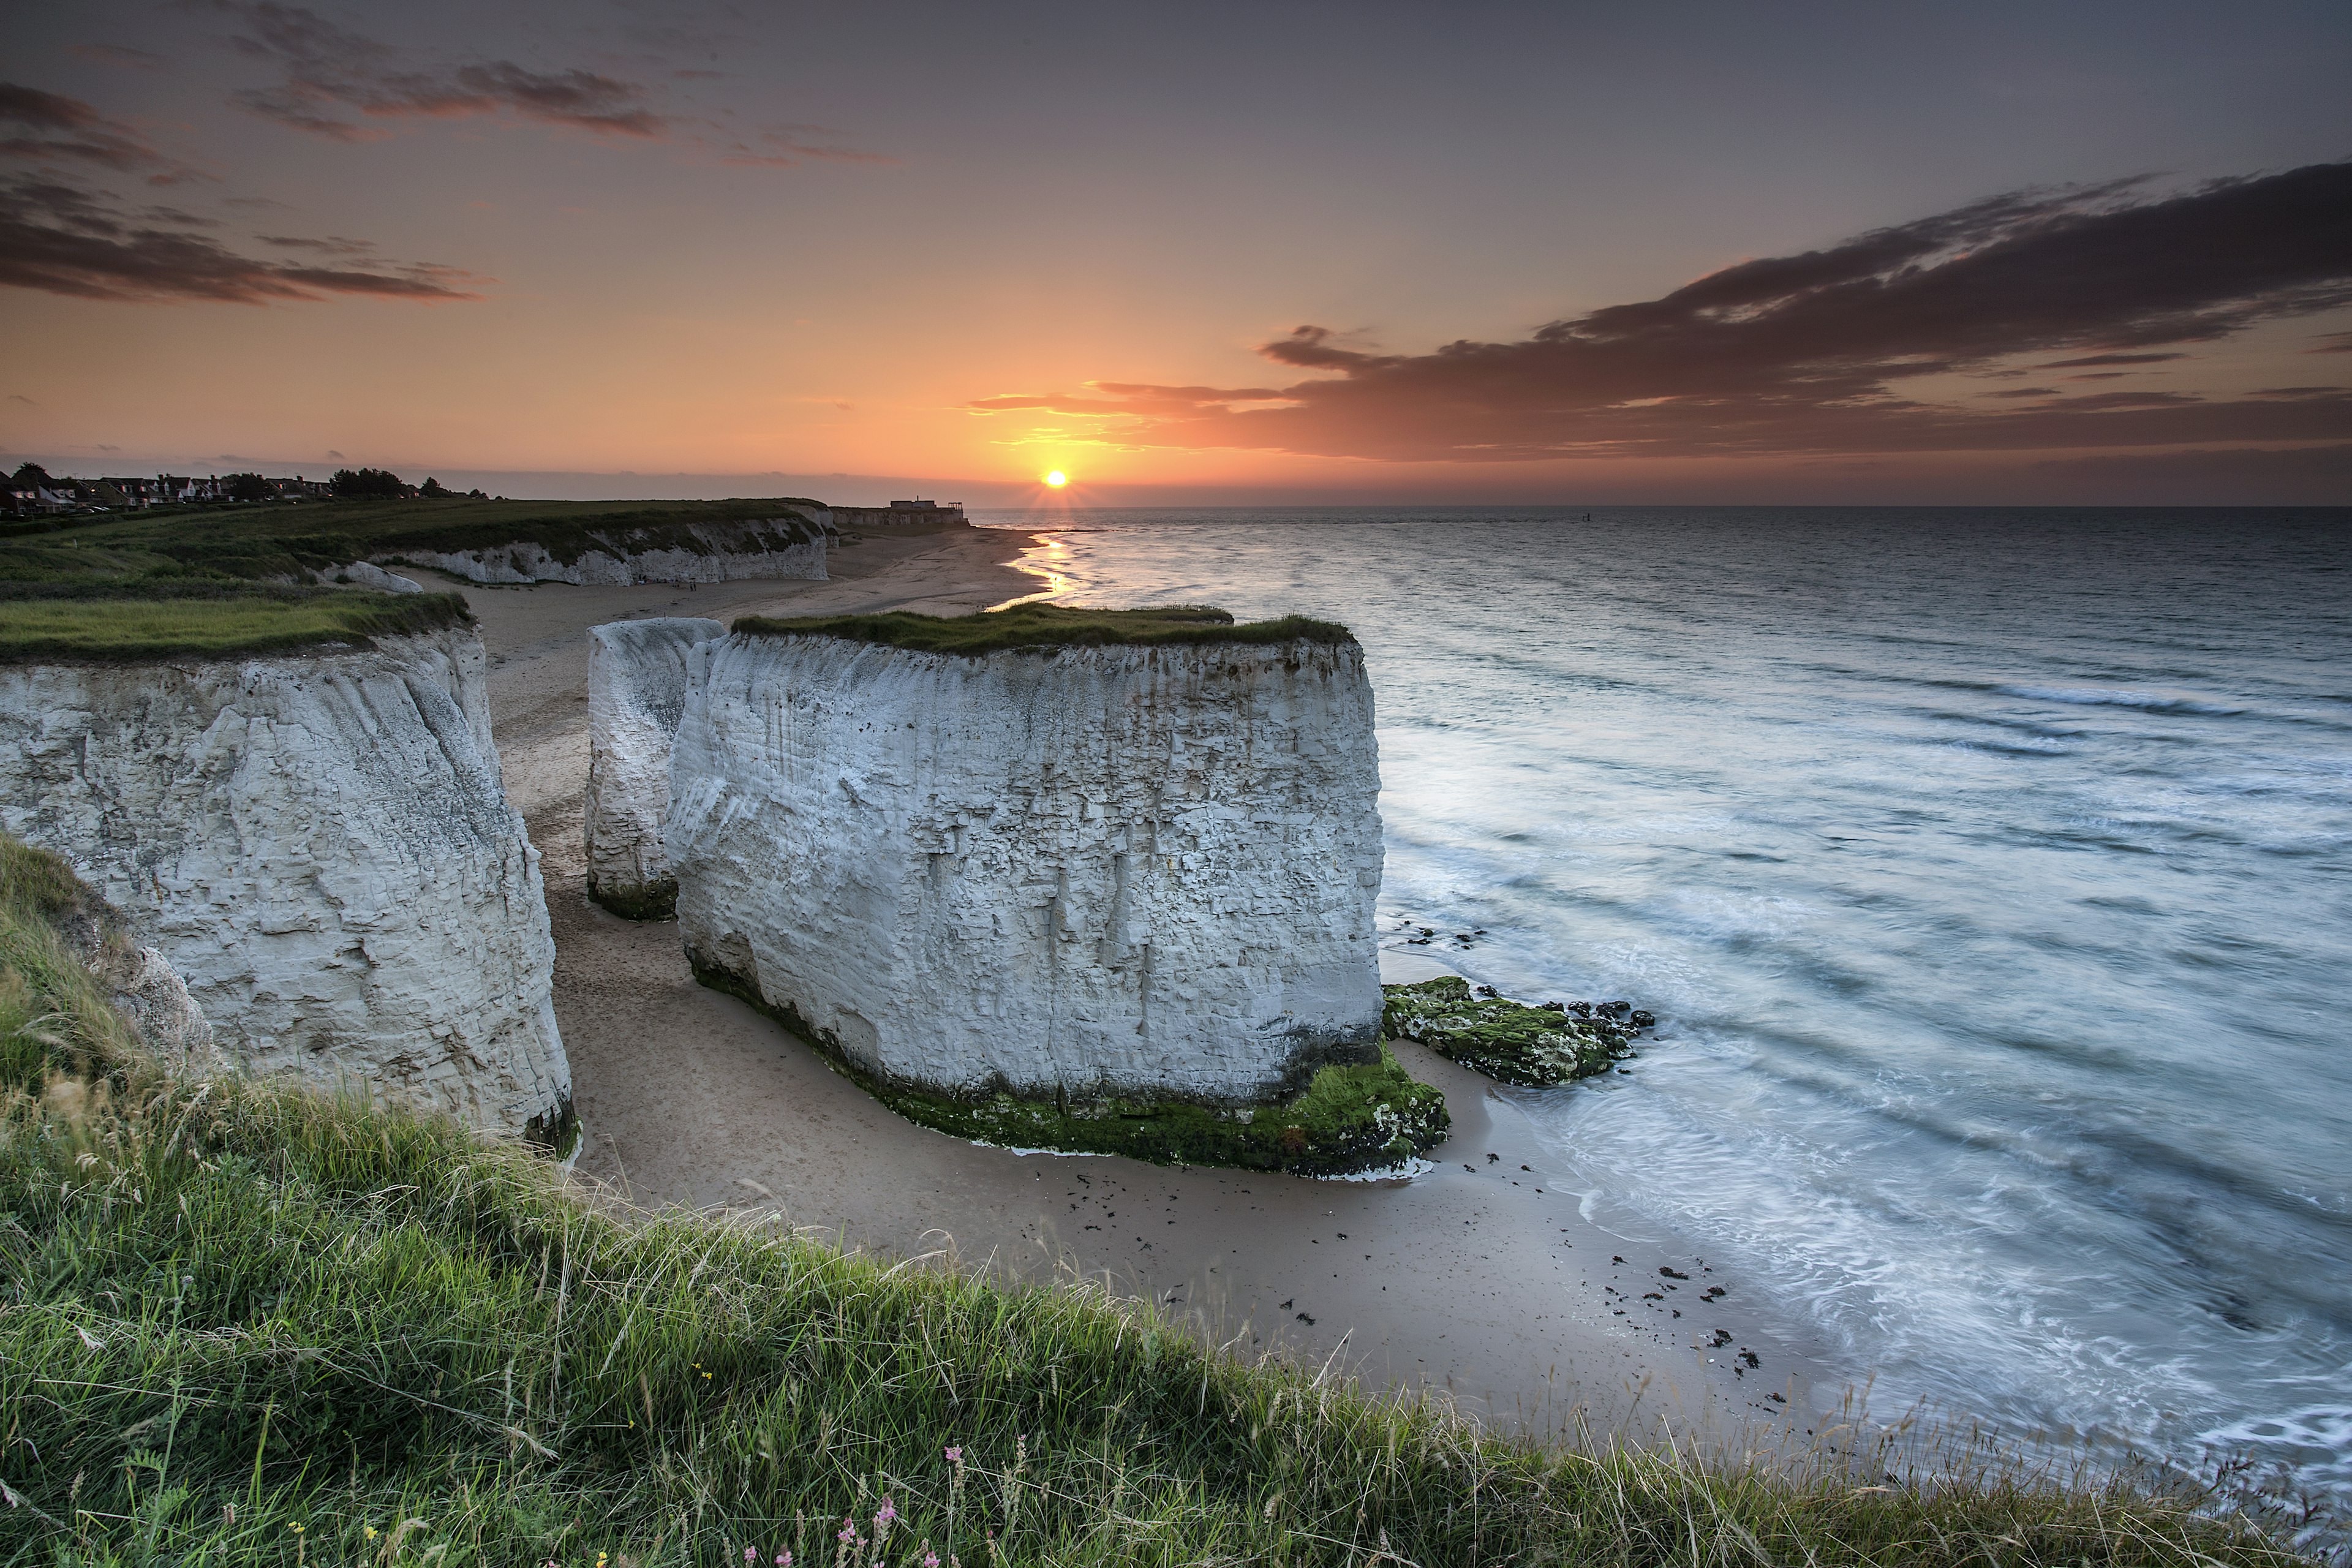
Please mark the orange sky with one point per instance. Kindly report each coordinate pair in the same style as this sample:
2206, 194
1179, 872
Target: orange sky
674, 242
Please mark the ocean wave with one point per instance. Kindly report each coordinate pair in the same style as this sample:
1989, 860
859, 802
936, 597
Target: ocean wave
2314, 1442
2122, 697
2005, 1069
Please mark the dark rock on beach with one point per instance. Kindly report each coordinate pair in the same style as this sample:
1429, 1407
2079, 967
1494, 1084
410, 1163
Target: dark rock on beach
1509, 1040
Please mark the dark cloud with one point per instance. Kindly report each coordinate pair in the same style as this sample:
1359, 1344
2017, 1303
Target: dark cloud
61, 239
788, 147
1803, 354
329, 71
2111, 359
2333, 343
328, 75
47, 127
334, 244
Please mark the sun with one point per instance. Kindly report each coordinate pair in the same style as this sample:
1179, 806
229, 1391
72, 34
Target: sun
1057, 478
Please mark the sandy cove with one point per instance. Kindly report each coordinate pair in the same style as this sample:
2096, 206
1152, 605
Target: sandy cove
1481, 1277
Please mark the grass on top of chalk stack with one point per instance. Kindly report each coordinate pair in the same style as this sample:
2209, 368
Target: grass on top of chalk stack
241, 1322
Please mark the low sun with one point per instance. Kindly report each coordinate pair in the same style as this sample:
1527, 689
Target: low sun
1057, 478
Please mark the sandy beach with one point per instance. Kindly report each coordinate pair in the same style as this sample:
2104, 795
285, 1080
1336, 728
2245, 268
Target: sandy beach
1481, 1276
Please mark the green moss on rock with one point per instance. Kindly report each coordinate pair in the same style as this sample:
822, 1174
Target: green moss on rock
1371, 1116
554, 1132
1047, 625
650, 901
1499, 1038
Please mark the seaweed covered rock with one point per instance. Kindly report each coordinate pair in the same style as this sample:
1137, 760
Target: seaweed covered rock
1371, 1116
636, 691
1506, 1039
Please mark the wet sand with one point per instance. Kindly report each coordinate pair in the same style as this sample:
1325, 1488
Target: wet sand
1480, 1277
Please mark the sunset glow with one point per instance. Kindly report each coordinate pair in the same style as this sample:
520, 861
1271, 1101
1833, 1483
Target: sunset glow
457, 241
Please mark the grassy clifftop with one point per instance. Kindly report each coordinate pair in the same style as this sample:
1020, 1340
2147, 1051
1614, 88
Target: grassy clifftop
214, 581
207, 620
243, 1323
1045, 626
274, 540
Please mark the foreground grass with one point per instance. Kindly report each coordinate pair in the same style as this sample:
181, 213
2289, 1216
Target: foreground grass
202, 620
1044, 625
245, 1325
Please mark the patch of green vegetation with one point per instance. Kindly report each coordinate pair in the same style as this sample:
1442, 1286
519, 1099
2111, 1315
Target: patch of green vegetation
1350, 1118
1499, 1038
55, 1015
147, 618
241, 1322
70, 561
1045, 626
651, 902
213, 581
277, 540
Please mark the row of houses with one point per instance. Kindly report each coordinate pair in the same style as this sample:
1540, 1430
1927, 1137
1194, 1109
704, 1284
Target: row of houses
28, 495
897, 511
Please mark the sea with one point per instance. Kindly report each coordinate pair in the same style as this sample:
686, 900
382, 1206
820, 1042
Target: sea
1989, 871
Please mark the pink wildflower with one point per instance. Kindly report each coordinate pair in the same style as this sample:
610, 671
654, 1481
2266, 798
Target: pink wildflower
889, 1512
955, 1455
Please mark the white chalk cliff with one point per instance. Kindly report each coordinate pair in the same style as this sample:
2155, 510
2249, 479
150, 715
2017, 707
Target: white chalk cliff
787, 545
140, 982
368, 574
1136, 871
320, 843
636, 694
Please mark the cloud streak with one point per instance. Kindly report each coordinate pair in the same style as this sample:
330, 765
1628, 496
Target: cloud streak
326, 70
1810, 353
329, 74
50, 128
60, 238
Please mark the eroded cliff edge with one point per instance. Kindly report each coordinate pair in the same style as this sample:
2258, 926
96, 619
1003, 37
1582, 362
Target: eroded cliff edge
786, 545
321, 844
636, 695
1089, 887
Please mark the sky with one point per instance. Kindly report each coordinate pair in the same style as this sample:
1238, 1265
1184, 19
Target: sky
1209, 254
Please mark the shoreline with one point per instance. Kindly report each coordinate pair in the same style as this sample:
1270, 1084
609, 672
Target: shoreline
691, 1098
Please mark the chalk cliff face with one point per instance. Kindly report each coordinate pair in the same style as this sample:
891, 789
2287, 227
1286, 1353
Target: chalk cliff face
789, 546
140, 981
637, 693
320, 844
1146, 872
368, 574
